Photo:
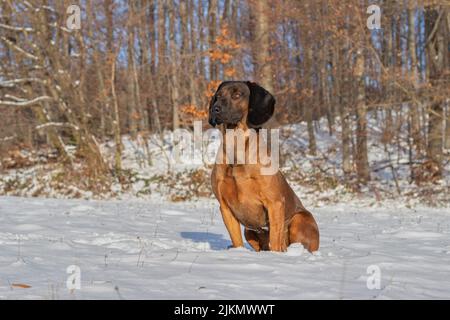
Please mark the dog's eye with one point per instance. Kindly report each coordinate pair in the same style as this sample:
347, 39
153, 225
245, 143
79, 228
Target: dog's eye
236, 95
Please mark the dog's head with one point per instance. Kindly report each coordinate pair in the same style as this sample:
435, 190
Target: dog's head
236, 101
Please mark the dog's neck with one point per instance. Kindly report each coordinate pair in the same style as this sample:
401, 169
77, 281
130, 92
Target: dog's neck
234, 126
245, 129
239, 125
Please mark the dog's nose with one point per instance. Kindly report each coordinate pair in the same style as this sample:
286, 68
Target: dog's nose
216, 109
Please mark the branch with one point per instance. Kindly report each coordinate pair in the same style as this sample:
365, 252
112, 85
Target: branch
435, 28
11, 83
14, 46
25, 103
16, 99
57, 124
8, 138
19, 29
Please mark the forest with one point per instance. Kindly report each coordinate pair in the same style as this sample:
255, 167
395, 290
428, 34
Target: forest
140, 68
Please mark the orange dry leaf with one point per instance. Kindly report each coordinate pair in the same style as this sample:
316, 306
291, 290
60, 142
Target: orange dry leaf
193, 112
224, 47
226, 58
224, 31
235, 45
20, 285
215, 54
230, 72
212, 87
135, 116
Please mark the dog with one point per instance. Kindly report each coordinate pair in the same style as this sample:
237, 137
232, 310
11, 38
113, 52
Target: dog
271, 213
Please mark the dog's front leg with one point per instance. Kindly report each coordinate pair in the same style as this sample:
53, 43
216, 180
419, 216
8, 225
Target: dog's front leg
276, 210
232, 225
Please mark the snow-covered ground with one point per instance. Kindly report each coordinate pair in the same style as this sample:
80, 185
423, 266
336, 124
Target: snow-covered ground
142, 249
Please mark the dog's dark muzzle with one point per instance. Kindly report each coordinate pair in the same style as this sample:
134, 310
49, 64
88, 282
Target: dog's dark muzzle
215, 115
220, 114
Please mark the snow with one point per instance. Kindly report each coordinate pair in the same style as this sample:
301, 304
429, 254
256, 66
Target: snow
138, 244
153, 249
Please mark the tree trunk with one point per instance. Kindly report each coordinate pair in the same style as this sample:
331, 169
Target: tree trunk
342, 104
52, 134
201, 39
151, 105
414, 114
447, 128
174, 86
362, 161
388, 53
144, 61
324, 75
212, 31
116, 122
437, 60
133, 114
193, 73
104, 105
163, 98
311, 106
260, 15
435, 129
185, 66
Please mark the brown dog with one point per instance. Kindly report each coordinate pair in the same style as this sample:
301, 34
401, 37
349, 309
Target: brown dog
272, 214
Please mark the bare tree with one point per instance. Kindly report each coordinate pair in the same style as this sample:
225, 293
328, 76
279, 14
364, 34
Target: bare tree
260, 15
437, 30
362, 161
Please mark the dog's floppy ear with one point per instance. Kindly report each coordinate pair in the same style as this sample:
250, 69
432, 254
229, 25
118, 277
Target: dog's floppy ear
261, 105
211, 103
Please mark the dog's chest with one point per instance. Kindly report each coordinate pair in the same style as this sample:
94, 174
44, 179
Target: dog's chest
242, 195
